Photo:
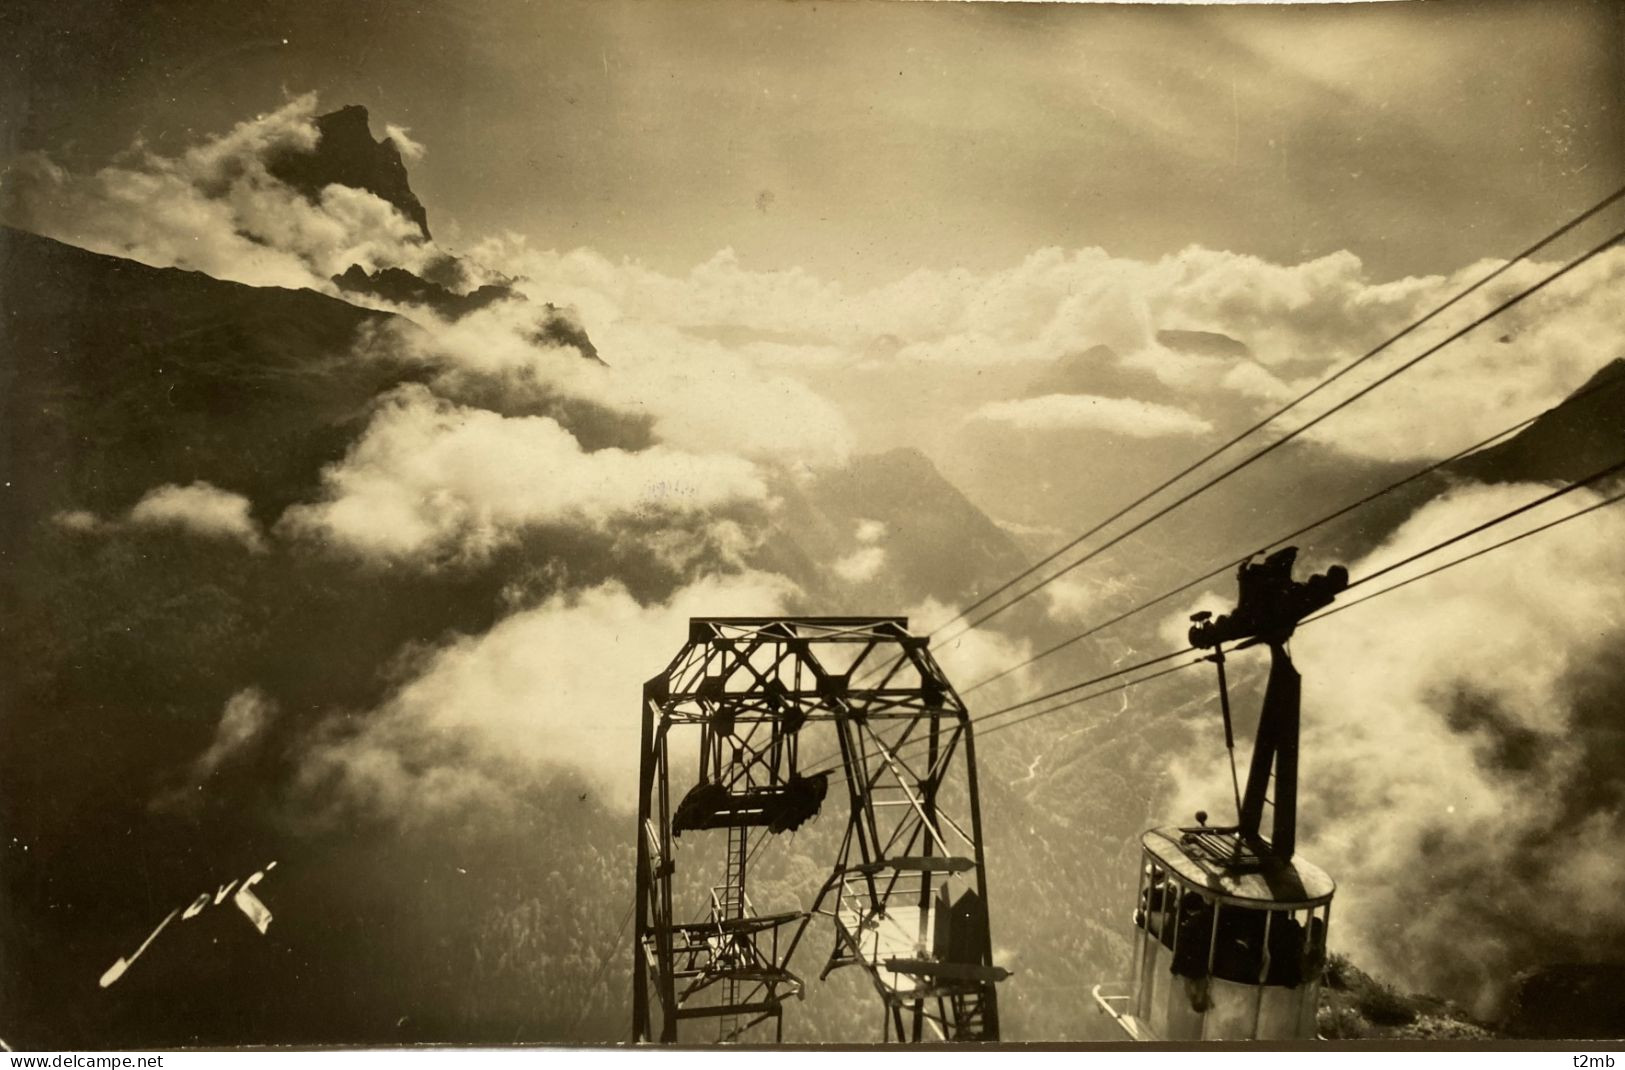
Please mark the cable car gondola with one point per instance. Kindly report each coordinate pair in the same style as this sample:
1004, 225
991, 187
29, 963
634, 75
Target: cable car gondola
1229, 926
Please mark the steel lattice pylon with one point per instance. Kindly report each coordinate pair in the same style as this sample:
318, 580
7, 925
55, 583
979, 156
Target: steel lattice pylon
907, 895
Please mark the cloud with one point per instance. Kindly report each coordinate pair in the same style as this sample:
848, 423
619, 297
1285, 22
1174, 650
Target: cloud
1028, 531
409, 149
861, 565
969, 656
1117, 416
216, 208
700, 396
864, 563
243, 722
704, 396
431, 477
1297, 322
245, 717
1460, 776
79, 520
551, 688
1517, 364
200, 508
1076, 598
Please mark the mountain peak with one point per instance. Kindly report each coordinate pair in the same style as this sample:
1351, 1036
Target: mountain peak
1204, 344
353, 116
347, 155
1572, 439
405, 288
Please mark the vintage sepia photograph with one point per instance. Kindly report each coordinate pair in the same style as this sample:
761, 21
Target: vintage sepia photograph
649, 523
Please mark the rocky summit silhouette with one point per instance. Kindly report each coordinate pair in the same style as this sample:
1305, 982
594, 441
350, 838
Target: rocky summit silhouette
404, 288
347, 155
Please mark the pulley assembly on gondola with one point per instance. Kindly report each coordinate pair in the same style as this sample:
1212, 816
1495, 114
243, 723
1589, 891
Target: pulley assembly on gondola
1229, 934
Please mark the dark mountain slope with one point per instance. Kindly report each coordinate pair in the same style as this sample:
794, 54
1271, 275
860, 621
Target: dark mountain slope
936, 542
120, 376
1568, 1001
1579, 436
1584, 433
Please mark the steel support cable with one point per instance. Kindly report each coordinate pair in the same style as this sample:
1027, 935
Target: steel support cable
1081, 684
1295, 402
614, 946
1535, 503
1102, 678
1080, 699
1568, 488
1074, 701
761, 841
1271, 447
1280, 540
1601, 474
1340, 607
1480, 552
1258, 455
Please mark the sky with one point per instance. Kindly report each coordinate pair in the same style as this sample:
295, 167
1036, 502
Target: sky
860, 141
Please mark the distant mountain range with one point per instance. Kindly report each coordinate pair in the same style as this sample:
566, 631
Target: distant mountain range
123, 377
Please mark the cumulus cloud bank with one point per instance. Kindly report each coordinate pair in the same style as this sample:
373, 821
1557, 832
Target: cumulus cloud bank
1117, 416
1080, 597
552, 687
430, 476
700, 395
1460, 776
1297, 321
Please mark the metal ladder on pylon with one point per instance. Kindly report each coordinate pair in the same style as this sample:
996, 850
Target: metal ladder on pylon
967, 1023
730, 905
